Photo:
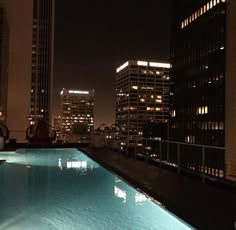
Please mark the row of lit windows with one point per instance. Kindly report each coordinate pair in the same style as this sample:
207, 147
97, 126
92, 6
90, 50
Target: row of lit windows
149, 72
199, 111
147, 108
154, 109
207, 125
200, 12
81, 118
202, 110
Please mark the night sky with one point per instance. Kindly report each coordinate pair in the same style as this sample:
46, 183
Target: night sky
93, 38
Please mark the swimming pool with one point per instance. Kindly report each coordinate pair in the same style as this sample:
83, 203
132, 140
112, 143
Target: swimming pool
61, 189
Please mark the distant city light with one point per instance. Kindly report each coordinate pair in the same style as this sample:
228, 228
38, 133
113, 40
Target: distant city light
160, 65
122, 67
78, 92
142, 63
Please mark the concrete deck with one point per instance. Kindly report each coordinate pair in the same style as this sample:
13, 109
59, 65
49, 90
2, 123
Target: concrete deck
201, 205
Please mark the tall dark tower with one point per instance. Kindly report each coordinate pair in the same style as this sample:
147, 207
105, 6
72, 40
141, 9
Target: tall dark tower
198, 73
203, 74
42, 60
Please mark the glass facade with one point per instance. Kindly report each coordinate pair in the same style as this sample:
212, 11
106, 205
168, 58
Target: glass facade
77, 111
42, 48
198, 73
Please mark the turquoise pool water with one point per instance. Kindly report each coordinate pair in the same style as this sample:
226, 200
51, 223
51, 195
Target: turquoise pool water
64, 189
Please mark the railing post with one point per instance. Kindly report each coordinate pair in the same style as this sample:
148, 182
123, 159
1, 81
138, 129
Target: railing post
178, 160
168, 151
135, 149
146, 153
160, 154
203, 164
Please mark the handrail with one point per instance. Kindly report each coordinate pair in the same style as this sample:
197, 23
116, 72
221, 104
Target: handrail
190, 144
214, 162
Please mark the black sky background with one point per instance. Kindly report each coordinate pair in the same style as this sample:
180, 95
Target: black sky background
93, 38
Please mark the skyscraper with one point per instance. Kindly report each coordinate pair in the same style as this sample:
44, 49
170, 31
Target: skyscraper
31, 35
203, 75
42, 59
77, 111
142, 89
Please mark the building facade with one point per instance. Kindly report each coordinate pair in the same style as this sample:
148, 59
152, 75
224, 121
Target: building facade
4, 39
203, 73
42, 59
57, 126
30, 69
142, 96
77, 114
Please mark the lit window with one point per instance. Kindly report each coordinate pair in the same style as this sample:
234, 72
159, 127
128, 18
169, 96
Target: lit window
142, 63
211, 4
134, 87
173, 113
158, 100
202, 110
190, 139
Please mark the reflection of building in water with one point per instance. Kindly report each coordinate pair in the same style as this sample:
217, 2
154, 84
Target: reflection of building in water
140, 198
120, 193
117, 179
79, 165
38, 181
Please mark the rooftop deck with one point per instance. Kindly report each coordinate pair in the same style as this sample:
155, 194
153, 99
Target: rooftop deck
201, 205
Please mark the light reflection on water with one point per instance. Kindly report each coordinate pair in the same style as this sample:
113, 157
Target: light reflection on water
64, 189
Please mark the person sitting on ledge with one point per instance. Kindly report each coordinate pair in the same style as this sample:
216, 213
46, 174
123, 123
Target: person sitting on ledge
41, 134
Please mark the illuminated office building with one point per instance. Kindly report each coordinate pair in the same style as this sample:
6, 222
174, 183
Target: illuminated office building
57, 126
77, 110
203, 55
142, 89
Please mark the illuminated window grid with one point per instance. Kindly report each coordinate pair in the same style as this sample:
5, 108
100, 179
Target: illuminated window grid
134, 82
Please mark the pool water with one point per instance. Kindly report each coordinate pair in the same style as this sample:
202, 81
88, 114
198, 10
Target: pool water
64, 189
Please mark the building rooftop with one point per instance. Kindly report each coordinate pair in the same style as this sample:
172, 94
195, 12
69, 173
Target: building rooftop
143, 63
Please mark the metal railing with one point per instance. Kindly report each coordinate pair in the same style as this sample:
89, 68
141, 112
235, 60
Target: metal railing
216, 163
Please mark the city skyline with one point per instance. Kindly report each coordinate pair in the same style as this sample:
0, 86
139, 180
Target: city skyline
89, 47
